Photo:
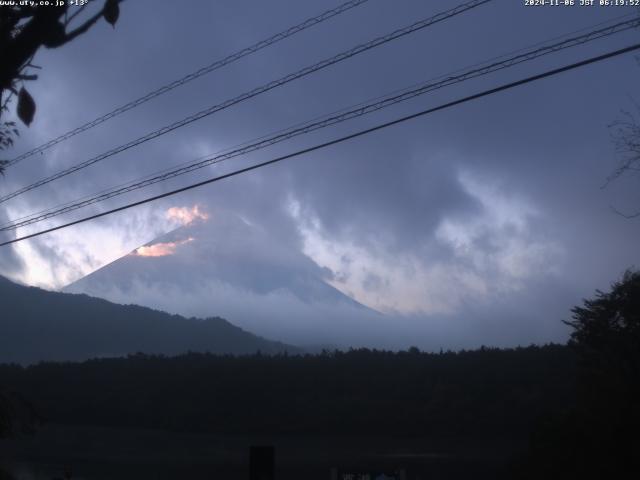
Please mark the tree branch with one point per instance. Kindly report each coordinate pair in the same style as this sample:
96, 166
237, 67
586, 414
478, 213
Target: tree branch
27, 77
625, 215
84, 27
78, 11
87, 24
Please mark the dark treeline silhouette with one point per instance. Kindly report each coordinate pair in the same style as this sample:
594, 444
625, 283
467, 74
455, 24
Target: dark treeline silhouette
485, 392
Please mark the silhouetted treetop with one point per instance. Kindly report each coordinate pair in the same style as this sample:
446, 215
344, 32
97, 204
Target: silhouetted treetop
23, 30
611, 320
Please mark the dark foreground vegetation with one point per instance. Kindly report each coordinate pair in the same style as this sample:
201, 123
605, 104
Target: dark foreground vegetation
483, 392
536, 412
475, 404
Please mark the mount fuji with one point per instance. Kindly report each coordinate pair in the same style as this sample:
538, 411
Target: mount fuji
223, 265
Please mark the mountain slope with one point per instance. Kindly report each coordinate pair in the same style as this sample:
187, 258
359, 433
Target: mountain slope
226, 266
36, 324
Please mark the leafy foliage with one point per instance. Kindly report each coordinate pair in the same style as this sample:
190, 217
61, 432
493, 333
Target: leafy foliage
609, 318
111, 12
598, 437
24, 28
7, 131
26, 107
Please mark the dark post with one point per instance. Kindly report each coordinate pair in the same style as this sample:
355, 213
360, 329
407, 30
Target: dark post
261, 463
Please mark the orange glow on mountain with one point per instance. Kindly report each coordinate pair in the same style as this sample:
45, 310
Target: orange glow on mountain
160, 249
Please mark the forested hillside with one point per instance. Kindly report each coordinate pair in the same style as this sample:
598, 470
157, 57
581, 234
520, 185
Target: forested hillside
484, 392
37, 325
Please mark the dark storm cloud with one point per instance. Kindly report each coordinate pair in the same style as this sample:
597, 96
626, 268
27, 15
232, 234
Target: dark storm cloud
544, 149
406, 193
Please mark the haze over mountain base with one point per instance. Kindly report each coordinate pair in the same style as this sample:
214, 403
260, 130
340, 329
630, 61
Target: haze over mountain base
221, 264
228, 267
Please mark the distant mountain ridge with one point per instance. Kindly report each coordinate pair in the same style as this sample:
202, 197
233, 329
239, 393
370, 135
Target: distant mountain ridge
39, 325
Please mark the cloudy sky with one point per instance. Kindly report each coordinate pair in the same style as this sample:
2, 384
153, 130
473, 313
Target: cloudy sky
480, 224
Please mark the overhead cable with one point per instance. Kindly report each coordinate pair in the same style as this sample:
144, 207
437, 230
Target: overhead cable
360, 133
310, 22
256, 91
324, 122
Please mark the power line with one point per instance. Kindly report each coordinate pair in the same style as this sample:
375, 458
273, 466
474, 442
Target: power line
257, 91
310, 22
378, 97
332, 119
367, 131
228, 149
